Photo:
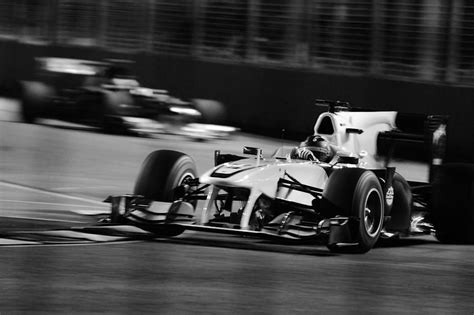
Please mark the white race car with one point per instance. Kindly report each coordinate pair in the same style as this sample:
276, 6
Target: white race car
347, 201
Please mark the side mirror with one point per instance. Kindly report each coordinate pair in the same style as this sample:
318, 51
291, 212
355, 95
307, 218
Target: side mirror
252, 151
354, 130
348, 160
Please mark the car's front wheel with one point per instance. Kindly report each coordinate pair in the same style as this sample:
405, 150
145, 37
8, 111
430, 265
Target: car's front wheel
162, 172
356, 193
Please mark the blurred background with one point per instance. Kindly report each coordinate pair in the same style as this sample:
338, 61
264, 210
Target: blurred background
203, 66
265, 60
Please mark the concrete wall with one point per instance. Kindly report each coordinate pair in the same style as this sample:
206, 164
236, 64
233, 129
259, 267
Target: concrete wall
267, 100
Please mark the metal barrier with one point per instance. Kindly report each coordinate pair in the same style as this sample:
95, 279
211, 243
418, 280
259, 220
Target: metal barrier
427, 40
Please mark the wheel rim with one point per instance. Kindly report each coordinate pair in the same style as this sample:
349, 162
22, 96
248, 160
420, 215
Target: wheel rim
181, 187
186, 176
372, 216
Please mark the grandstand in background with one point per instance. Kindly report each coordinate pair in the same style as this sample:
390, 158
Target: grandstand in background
427, 40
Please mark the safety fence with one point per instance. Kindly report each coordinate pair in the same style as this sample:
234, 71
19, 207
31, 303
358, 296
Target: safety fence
428, 40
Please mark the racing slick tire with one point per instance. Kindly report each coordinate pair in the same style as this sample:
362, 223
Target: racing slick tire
162, 172
356, 193
400, 214
111, 111
453, 204
34, 99
213, 112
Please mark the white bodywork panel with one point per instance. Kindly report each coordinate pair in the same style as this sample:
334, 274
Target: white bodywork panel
262, 179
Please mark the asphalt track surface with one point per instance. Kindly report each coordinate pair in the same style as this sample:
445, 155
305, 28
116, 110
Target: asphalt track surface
55, 260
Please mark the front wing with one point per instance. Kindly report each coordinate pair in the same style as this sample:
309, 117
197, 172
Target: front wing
170, 219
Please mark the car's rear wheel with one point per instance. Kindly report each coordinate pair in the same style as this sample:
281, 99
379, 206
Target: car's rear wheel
213, 112
453, 204
356, 193
113, 106
400, 214
34, 99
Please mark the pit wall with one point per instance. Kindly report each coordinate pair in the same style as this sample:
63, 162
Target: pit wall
267, 100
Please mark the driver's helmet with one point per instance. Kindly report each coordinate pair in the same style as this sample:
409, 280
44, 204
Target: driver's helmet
319, 147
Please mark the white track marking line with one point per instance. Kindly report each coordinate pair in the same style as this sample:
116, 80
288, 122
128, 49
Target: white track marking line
71, 244
15, 242
82, 235
39, 219
46, 203
86, 212
51, 193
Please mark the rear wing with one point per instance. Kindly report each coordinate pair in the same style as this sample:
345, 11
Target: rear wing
417, 137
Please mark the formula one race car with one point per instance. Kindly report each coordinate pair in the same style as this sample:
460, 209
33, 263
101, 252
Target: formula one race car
336, 187
105, 94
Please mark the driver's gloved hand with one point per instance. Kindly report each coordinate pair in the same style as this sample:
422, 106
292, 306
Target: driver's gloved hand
305, 154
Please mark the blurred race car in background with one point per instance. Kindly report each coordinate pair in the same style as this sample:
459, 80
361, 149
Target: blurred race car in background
106, 95
339, 187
